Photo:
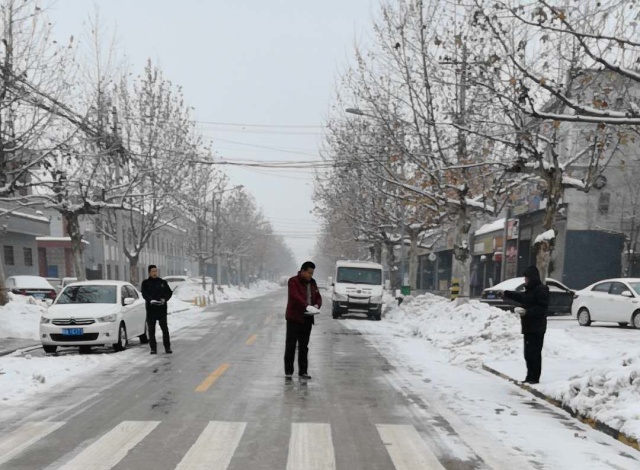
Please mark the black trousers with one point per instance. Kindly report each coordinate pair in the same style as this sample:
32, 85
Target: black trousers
160, 317
297, 334
533, 343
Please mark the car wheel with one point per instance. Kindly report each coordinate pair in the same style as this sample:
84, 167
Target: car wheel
636, 320
623, 324
144, 338
335, 315
50, 349
123, 342
584, 317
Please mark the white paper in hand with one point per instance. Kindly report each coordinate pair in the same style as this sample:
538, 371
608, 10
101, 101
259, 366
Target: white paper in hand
157, 302
311, 310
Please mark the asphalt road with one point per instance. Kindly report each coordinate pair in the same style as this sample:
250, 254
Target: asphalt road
221, 401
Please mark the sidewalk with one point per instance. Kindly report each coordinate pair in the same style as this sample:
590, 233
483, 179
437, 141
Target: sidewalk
554, 378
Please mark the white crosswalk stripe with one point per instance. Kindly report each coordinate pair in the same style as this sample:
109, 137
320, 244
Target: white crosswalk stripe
111, 448
311, 447
214, 448
15, 442
407, 449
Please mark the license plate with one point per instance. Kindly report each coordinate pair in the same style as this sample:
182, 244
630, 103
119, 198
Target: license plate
38, 296
72, 331
491, 296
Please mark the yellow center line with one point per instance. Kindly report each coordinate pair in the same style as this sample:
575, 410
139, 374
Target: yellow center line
209, 381
251, 340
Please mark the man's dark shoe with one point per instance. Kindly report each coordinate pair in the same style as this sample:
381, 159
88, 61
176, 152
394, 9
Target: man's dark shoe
305, 376
168, 351
288, 377
153, 352
532, 382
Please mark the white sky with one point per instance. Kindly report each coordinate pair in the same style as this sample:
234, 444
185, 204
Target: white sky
271, 62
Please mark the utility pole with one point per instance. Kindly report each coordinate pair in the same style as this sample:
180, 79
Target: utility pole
503, 268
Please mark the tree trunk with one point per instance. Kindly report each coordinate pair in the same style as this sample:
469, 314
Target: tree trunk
4, 297
545, 248
73, 225
461, 253
391, 263
134, 274
413, 260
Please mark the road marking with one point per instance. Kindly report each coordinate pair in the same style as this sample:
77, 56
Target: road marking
209, 381
17, 441
407, 449
111, 448
251, 340
214, 448
311, 447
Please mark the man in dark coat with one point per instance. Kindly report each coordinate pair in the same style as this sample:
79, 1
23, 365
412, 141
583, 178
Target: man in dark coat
156, 293
533, 316
304, 301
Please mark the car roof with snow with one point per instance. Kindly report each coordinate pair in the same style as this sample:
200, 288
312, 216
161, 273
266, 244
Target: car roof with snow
514, 283
30, 281
357, 264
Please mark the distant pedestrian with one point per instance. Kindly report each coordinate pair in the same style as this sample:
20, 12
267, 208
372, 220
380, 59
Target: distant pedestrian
303, 303
156, 293
534, 302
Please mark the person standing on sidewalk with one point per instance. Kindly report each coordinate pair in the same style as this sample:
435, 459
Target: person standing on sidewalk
303, 303
534, 303
156, 293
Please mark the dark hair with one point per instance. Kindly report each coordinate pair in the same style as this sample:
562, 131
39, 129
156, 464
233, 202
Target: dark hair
307, 265
152, 266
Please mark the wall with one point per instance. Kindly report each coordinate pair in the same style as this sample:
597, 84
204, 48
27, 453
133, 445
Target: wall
585, 265
19, 241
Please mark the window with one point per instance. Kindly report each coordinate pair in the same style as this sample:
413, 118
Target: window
28, 256
604, 287
108, 271
131, 292
618, 288
88, 295
116, 273
9, 260
603, 203
359, 276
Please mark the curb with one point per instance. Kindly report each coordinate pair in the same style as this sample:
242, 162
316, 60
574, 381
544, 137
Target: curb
594, 423
26, 349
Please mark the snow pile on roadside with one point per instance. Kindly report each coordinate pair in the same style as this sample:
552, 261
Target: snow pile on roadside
469, 332
608, 393
23, 376
20, 318
233, 293
187, 293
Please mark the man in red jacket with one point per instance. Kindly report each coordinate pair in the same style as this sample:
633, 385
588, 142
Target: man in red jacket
304, 301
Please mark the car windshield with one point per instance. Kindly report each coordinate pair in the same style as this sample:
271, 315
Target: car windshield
88, 295
635, 286
360, 276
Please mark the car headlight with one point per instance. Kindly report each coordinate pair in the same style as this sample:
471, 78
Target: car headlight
108, 318
45, 320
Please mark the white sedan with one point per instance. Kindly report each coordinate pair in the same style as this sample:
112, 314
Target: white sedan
94, 313
611, 300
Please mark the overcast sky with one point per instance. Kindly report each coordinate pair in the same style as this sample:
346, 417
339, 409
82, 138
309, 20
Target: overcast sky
266, 62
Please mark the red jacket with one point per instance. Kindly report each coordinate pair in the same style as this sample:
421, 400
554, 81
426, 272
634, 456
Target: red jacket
297, 304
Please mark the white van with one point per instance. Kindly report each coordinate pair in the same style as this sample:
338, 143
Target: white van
358, 287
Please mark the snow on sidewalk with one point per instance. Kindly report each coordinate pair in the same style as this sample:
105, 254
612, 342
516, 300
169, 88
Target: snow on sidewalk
596, 373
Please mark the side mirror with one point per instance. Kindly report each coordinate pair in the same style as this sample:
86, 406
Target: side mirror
129, 301
626, 293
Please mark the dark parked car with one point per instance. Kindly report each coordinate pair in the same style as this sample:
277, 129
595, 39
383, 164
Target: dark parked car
34, 286
560, 296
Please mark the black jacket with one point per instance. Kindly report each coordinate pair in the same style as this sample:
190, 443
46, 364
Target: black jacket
156, 289
535, 300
